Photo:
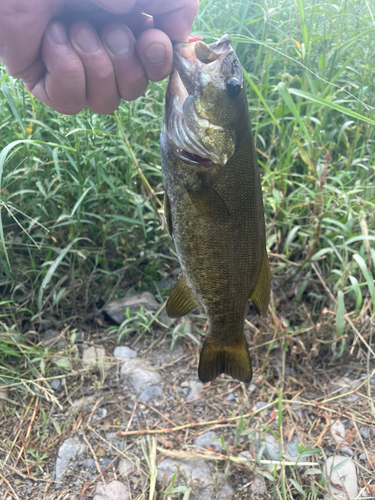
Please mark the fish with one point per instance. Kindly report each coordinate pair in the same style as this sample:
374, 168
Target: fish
213, 202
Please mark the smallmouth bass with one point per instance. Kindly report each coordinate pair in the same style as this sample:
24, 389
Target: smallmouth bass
213, 202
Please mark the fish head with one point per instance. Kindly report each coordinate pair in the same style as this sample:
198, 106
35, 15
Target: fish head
206, 102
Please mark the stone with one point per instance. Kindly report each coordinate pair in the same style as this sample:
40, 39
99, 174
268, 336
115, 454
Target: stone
62, 362
231, 397
116, 309
124, 352
130, 365
93, 357
297, 408
141, 378
70, 451
209, 439
111, 491
345, 477
55, 384
90, 463
195, 393
338, 432
105, 463
364, 432
194, 473
346, 451
258, 486
273, 448
150, 393
342, 385
125, 467
225, 492
52, 338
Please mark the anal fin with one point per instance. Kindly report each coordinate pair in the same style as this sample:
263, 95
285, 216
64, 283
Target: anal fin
233, 360
181, 300
261, 294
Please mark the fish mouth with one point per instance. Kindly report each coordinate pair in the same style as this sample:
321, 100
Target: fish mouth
189, 60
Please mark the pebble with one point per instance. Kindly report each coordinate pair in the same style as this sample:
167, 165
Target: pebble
124, 352
102, 412
116, 309
258, 486
195, 473
362, 456
55, 384
364, 432
90, 463
372, 431
346, 451
338, 432
209, 439
226, 491
152, 392
129, 366
93, 356
195, 393
125, 467
273, 448
141, 378
345, 477
297, 408
69, 451
231, 397
111, 491
105, 463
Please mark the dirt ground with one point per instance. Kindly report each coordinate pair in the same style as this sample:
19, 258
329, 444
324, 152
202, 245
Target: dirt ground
299, 394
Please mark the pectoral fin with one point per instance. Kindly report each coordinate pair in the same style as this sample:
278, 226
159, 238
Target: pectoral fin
168, 214
206, 200
181, 300
261, 294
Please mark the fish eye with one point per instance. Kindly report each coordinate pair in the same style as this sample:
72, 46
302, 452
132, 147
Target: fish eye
233, 87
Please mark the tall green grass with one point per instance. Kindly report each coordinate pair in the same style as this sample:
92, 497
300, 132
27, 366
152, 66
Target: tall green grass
79, 223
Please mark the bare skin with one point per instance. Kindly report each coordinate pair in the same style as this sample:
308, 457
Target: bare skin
76, 53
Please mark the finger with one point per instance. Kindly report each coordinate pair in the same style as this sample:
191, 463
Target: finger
116, 6
174, 17
155, 52
101, 89
120, 44
63, 87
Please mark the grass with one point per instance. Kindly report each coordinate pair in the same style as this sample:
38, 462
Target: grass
81, 217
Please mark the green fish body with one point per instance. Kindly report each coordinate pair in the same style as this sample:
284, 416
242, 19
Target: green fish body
213, 202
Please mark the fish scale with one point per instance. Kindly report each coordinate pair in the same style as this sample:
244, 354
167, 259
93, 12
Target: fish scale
214, 209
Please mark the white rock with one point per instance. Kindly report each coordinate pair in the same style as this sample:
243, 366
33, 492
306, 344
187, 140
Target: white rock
69, 451
116, 310
345, 477
258, 486
141, 378
190, 472
124, 352
338, 432
93, 356
125, 467
196, 389
111, 491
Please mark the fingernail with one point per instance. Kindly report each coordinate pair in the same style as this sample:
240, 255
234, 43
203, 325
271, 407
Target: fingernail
57, 32
87, 40
118, 42
155, 53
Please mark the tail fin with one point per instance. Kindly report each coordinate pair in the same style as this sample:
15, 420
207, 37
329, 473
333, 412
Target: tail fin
233, 360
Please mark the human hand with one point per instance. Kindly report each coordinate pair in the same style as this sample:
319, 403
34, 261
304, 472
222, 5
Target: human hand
76, 53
